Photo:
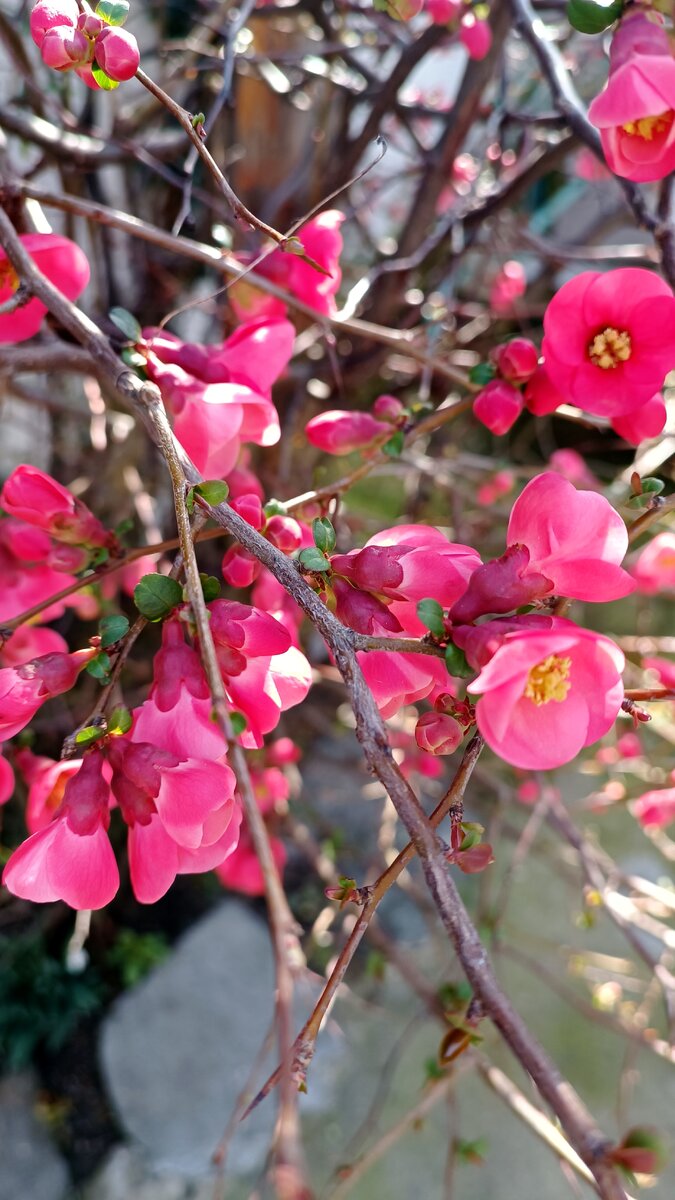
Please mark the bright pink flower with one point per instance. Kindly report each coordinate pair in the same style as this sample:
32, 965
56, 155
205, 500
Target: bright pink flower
219, 396
26, 578
49, 13
509, 284
64, 264
322, 241
572, 466
574, 538
648, 421
70, 859
239, 568
400, 679
282, 752
437, 733
498, 405
341, 432
516, 361
36, 498
605, 345
272, 598
546, 693
46, 780
629, 745
588, 167
442, 12
664, 668
31, 641
117, 53
476, 35
6, 780
635, 113
654, 568
241, 871
499, 484
388, 408
155, 859
24, 689
656, 808
541, 397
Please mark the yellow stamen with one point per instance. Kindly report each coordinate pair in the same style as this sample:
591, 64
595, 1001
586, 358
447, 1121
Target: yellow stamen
648, 128
8, 276
549, 680
610, 348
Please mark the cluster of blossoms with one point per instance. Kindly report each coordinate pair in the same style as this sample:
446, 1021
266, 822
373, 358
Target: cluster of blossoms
90, 43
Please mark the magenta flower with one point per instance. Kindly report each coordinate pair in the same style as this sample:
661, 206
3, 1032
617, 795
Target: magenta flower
547, 693
606, 345
656, 808
516, 361
438, 733
64, 264
648, 421
654, 568
322, 240
635, 112
541, 397
47, 14
24, 689
6, 780
117, 53
498, 405
341, 432
475, 35
36, 498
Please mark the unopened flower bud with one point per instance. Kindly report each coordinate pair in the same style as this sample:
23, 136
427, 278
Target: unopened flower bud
239, 568
48, 14
91, 25
516, 360
63, 47
117, 53
475, 35
340, 432
442, 12
541, 397
285, 533
249, 507
498, 405
438, 733
388, 408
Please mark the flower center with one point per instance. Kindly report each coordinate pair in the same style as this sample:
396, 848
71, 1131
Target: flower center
648, 128
610, 347
8, 277
549, 680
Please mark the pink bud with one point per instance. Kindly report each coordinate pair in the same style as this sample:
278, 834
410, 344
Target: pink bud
35, 497
465, 168
388, 408
49, 13
282, 751
475, 35
438, 733
117, 53
510, 283
499, 484
285, 533
361, 611
340, 432
249, 507
239, 568
498, 405
69, 559
442, 12
90, 24
516, 360
541, 397
63, 47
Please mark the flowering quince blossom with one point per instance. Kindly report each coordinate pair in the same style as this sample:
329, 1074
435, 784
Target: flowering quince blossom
656, 808
64, 264
29, 578
547, 688
241, 870
71, 858
6, 780
70, 39
606, 342
498, 405
654, 568
39, 500
509, 285
664, 668
635, 113
648, 421
475, 35
24, 689
560, 541
219, 396
339, 432
322, 241
46, 780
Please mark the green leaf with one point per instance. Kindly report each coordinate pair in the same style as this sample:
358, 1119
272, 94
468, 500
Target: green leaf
210, 586
275, 508
593, 16
127, 324
482, 373
124, 527
653, 485
238, 722
313, 560
104, 81
99, 667
324, 534
90, 734
113, 629
156, 596
120, 720
455, 661
113, 12
101, 556
214, 491
134, 360
395, 444
430, 614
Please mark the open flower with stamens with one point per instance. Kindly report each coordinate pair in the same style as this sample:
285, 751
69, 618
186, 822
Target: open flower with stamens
607, 345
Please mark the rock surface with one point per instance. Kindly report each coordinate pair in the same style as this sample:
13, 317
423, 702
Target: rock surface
31, 1167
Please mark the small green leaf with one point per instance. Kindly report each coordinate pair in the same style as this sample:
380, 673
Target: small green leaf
593, 16
120, 720
275, 508
455, 661
127, 324
124, 527
113, 12
113, 629
99, 667
89, 735
313, 560
213, 491
324, 534
238, 722
104, 81
210, 586
482, 373
430, 614
190, 500
653, 485
395, 444
134, 360
156, 596
100, 557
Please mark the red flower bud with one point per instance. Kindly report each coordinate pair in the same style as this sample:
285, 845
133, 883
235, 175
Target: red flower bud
516, 360
438, 733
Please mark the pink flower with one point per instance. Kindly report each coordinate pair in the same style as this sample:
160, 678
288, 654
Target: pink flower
155, 859
664, 668
46, 780
498, 485
635, 112
322, 241
509, 284
24, 689
547, 693
241, 870
31, 641
605, 345
498, 405
437, 733
654, 568
341, 432
6, 780
39, 500
541, 397
516, 361
64, 264
63, 48
655, 809
572, 466
47, 14
117, 53
28, 579
219, 396
442, 12
648, 421
70, 859
476, 35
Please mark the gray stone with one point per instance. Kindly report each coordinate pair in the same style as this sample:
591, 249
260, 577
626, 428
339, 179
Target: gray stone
125, 1174
32, 1168
177, 1050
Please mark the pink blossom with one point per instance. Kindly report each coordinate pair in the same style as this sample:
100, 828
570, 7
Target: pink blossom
541, 397
47, 14
155, 859
476, 35
219, 396
285, 533
399, 679
24, 689
438, 733
654, 568
604, 341
6, 780
509, 284
63, 48
498, 485
388, 408
31, 641
516, 361
442, 12
322, 241
341, 432
572, 466
70, 859
46, 780
664, 668
36, 498
64, 264
545, 693
498, 405
635, 111
241, 871
117, 53
27, 580
656, 808
648, 421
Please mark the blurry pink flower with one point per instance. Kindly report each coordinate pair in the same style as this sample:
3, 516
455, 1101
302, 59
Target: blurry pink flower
31, 641
572, 466
588, 167
27, 580
508, 285
341, 432
117, 53
648, 421
437, 733
544, 695
476, 35
498, 405
388, 408
322, 241
64, 264
442, 12
541, 397
499, 484
36, 498
654, 568
629, 745
24, 689
635, 111
516, 361
47, 14
241, 871
604, 341
664, 668
6, 780
656, 808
